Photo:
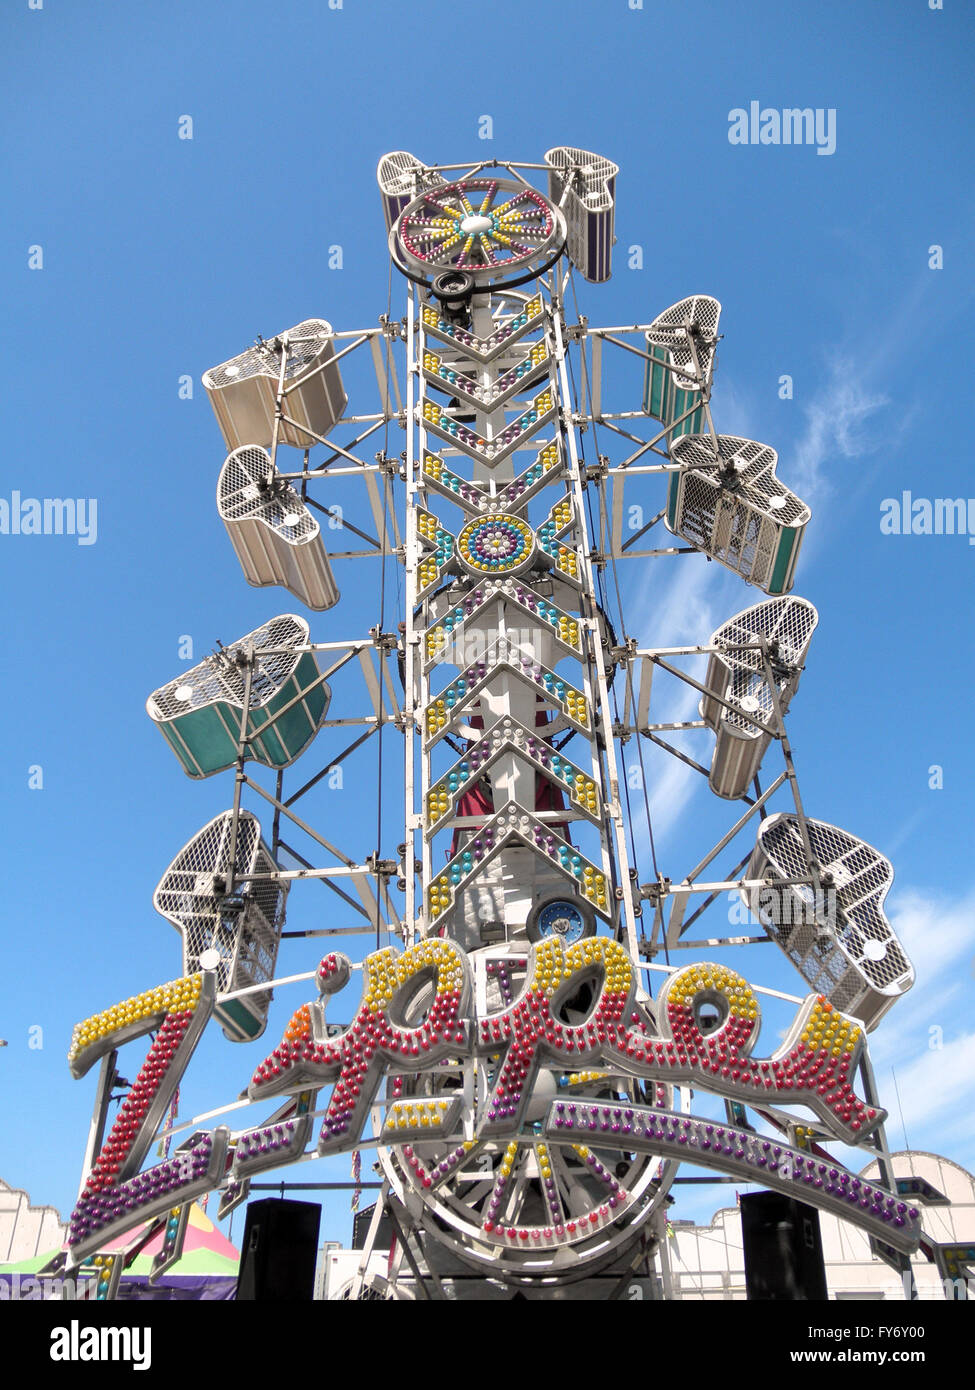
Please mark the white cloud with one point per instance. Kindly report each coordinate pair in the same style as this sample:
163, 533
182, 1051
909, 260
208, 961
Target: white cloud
670, 793
904, 833
733, 409
684, 611
835, 422
936, 934
937, 1096
925, 1040
939, 938
938, 1079
909, 1023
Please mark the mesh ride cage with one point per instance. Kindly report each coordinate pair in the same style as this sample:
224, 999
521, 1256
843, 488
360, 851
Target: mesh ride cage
589, 207
244, 391
734, 509
738, 673
242, 924
839, 939
681, 344
401, 176
200, 713
275, 536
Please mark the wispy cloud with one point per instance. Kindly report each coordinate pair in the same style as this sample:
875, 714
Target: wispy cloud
905, 831
939, 935
684, 607
933, 1087
926, 1039
684, 611
835, 427
734, 407
848, 418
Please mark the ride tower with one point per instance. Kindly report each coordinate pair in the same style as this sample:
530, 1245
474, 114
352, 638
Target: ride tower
508, 654
523, 1067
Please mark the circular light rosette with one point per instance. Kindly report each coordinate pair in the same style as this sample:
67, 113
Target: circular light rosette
496, 545
496, 230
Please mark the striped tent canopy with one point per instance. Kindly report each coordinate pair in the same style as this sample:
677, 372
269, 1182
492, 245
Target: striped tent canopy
206, 1270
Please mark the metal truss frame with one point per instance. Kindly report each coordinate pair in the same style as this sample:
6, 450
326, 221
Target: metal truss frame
365, 886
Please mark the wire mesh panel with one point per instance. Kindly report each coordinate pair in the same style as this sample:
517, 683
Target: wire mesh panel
838, 938
689, 330
732, 506
738, 673
242, 925
589, 206
243, 391
401, 176
275, 536
200, 712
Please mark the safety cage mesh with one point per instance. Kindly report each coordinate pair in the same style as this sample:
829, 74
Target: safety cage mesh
787, 625
856, 931
697, 317
250, 489
305, 343
222, 676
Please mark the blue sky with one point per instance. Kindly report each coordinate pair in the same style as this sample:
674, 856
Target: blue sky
162, 257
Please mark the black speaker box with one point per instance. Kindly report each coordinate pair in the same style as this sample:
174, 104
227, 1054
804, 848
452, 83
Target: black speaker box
783, 1249
277, 1259
360, 1229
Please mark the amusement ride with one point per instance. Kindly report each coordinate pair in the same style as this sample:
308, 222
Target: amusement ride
537, 1039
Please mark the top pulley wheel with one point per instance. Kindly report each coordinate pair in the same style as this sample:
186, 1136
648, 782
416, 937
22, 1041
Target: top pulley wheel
494, 230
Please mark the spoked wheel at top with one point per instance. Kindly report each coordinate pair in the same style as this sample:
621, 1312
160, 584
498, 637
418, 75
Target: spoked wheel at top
495, 230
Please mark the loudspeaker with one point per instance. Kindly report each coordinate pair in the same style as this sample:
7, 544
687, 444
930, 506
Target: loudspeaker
360, 1229
783, 1249
277, 1260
